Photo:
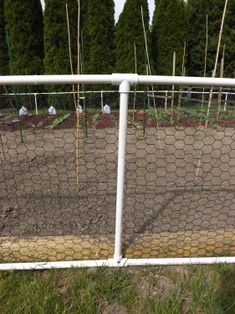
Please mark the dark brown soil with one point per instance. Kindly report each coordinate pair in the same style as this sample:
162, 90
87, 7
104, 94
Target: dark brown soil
138, 120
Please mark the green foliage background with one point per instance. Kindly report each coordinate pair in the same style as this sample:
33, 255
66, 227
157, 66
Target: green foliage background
33, 44
129, 31
168, 35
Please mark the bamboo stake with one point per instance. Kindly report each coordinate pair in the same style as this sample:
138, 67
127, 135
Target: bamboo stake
211, 90
173, 86
3, 152
136, 69
70, 51
205, 61
78, 92
216, 60
183, 70
149, 66
220, 89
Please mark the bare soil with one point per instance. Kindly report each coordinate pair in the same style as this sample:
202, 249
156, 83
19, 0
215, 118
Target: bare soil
138, 119
47, 191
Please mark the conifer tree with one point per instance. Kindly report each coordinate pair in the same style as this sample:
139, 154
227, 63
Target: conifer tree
24, 27
98, 28
3, 46
56, 59
129, 32
197, 11
169, 31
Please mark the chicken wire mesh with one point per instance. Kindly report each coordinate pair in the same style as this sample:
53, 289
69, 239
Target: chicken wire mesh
58, 187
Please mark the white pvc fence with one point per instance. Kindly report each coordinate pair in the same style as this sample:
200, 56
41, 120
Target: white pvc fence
124, 81
165, 95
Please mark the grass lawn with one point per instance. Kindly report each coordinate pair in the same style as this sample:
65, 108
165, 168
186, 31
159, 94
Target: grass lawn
186, 289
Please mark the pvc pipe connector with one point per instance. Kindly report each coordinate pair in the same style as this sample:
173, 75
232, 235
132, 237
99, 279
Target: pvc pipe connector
118, 78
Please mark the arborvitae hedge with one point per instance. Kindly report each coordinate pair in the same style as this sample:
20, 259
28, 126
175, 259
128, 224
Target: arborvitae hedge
24, 26
197, 11
3, 46
129, 31
99, 36
168, 35
56, 59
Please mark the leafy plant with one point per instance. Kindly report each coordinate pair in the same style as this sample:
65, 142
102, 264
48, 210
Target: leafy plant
95, 118
58, 121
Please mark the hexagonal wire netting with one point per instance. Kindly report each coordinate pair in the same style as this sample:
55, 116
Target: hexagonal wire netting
58, 188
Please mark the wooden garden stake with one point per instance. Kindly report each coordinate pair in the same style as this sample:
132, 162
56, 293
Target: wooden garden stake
220, 89
216, 60
3, 152
70, 51
173, 86
136, 70
149, 66
78, 92
183, 70
205, 62
211, 90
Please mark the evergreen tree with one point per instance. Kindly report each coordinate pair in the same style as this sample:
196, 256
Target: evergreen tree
56, 59
129, 32
3, 46
197, 11
24, 27
169, 31
99, 36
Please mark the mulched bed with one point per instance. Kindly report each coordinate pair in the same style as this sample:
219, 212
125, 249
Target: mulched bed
98, 121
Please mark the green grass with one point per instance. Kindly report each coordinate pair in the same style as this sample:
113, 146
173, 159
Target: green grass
186, 289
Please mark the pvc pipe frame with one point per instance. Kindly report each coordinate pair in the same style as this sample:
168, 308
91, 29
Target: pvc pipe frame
123, 263
124, 90
124, 81
116, 79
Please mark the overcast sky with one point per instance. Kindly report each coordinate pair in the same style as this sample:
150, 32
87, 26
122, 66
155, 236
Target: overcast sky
119, 4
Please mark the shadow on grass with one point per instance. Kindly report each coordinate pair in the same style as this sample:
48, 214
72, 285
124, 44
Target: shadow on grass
226, 289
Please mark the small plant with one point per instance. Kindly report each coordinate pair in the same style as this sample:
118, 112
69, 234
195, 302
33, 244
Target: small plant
95, 118
58, 121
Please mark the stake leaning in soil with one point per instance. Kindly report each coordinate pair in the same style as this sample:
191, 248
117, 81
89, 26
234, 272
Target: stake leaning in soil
211, 90
70, 52
150, 71
205, 62
3, 152
173, 86
78, 95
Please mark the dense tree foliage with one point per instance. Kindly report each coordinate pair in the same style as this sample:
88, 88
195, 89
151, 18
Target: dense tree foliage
99, 35
168, 35
197, 11
3, 45
106, 48
129, 32
24, 26
56, 36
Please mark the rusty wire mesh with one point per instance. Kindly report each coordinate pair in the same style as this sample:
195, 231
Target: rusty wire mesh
58, 189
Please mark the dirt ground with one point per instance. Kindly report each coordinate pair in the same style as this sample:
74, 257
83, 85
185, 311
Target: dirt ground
179, 188
138, 119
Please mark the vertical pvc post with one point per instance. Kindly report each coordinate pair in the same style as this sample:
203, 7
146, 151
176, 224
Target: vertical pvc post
124, 90
166, 98
36, 103
102, 100
225, 101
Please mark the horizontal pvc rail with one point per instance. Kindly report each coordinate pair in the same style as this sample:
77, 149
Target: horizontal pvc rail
123, 263
124, 81
116, 79
116, 91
